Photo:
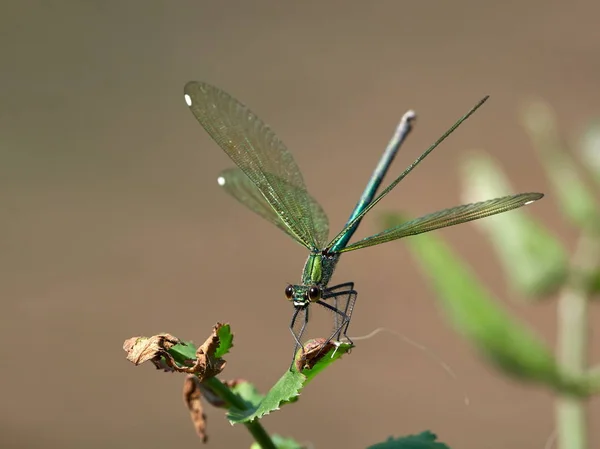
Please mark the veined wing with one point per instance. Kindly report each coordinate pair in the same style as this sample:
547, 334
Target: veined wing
237, 184
259, 153
448, 217
335, 242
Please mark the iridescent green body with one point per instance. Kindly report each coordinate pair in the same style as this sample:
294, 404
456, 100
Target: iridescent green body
268, 181
318, 270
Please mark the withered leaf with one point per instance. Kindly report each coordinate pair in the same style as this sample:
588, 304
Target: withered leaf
206, 364
192, 394
142, 349
314, 350
156, 349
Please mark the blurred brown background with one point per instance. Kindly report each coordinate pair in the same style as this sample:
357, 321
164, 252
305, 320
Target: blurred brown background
113, 224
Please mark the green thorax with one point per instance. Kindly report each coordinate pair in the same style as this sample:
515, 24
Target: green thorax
319, 268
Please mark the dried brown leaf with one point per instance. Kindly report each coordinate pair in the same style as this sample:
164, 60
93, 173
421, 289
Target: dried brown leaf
192, 393
142, 349
314, 350
156, 350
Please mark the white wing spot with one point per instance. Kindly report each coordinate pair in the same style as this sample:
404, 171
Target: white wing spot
221, 181
188, 99
529, 202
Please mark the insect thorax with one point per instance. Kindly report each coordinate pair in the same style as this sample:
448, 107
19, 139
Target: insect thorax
318, 269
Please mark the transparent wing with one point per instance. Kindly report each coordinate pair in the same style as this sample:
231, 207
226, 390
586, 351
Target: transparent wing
259, 153
335, 243
447, 217
237, 184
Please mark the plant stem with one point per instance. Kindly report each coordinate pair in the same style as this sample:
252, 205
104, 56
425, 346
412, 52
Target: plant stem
254, 427
572, 342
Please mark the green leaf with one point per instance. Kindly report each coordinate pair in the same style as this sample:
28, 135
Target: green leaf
186, 348
183, 352
225, 341
249, 393
473, 312
288, 387
425, 440
593, 286
281, 443
593, 376
532, 258
589, 148
574, 198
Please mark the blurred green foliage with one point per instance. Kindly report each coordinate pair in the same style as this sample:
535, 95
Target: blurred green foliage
536, 265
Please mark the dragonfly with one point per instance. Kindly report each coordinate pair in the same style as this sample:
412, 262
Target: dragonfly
268, 181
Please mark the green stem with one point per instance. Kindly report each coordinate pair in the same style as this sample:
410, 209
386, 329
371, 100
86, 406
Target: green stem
572, 338
231, 399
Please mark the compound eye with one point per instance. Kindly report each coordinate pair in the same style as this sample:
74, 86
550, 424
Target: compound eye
289, 292
314, 293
